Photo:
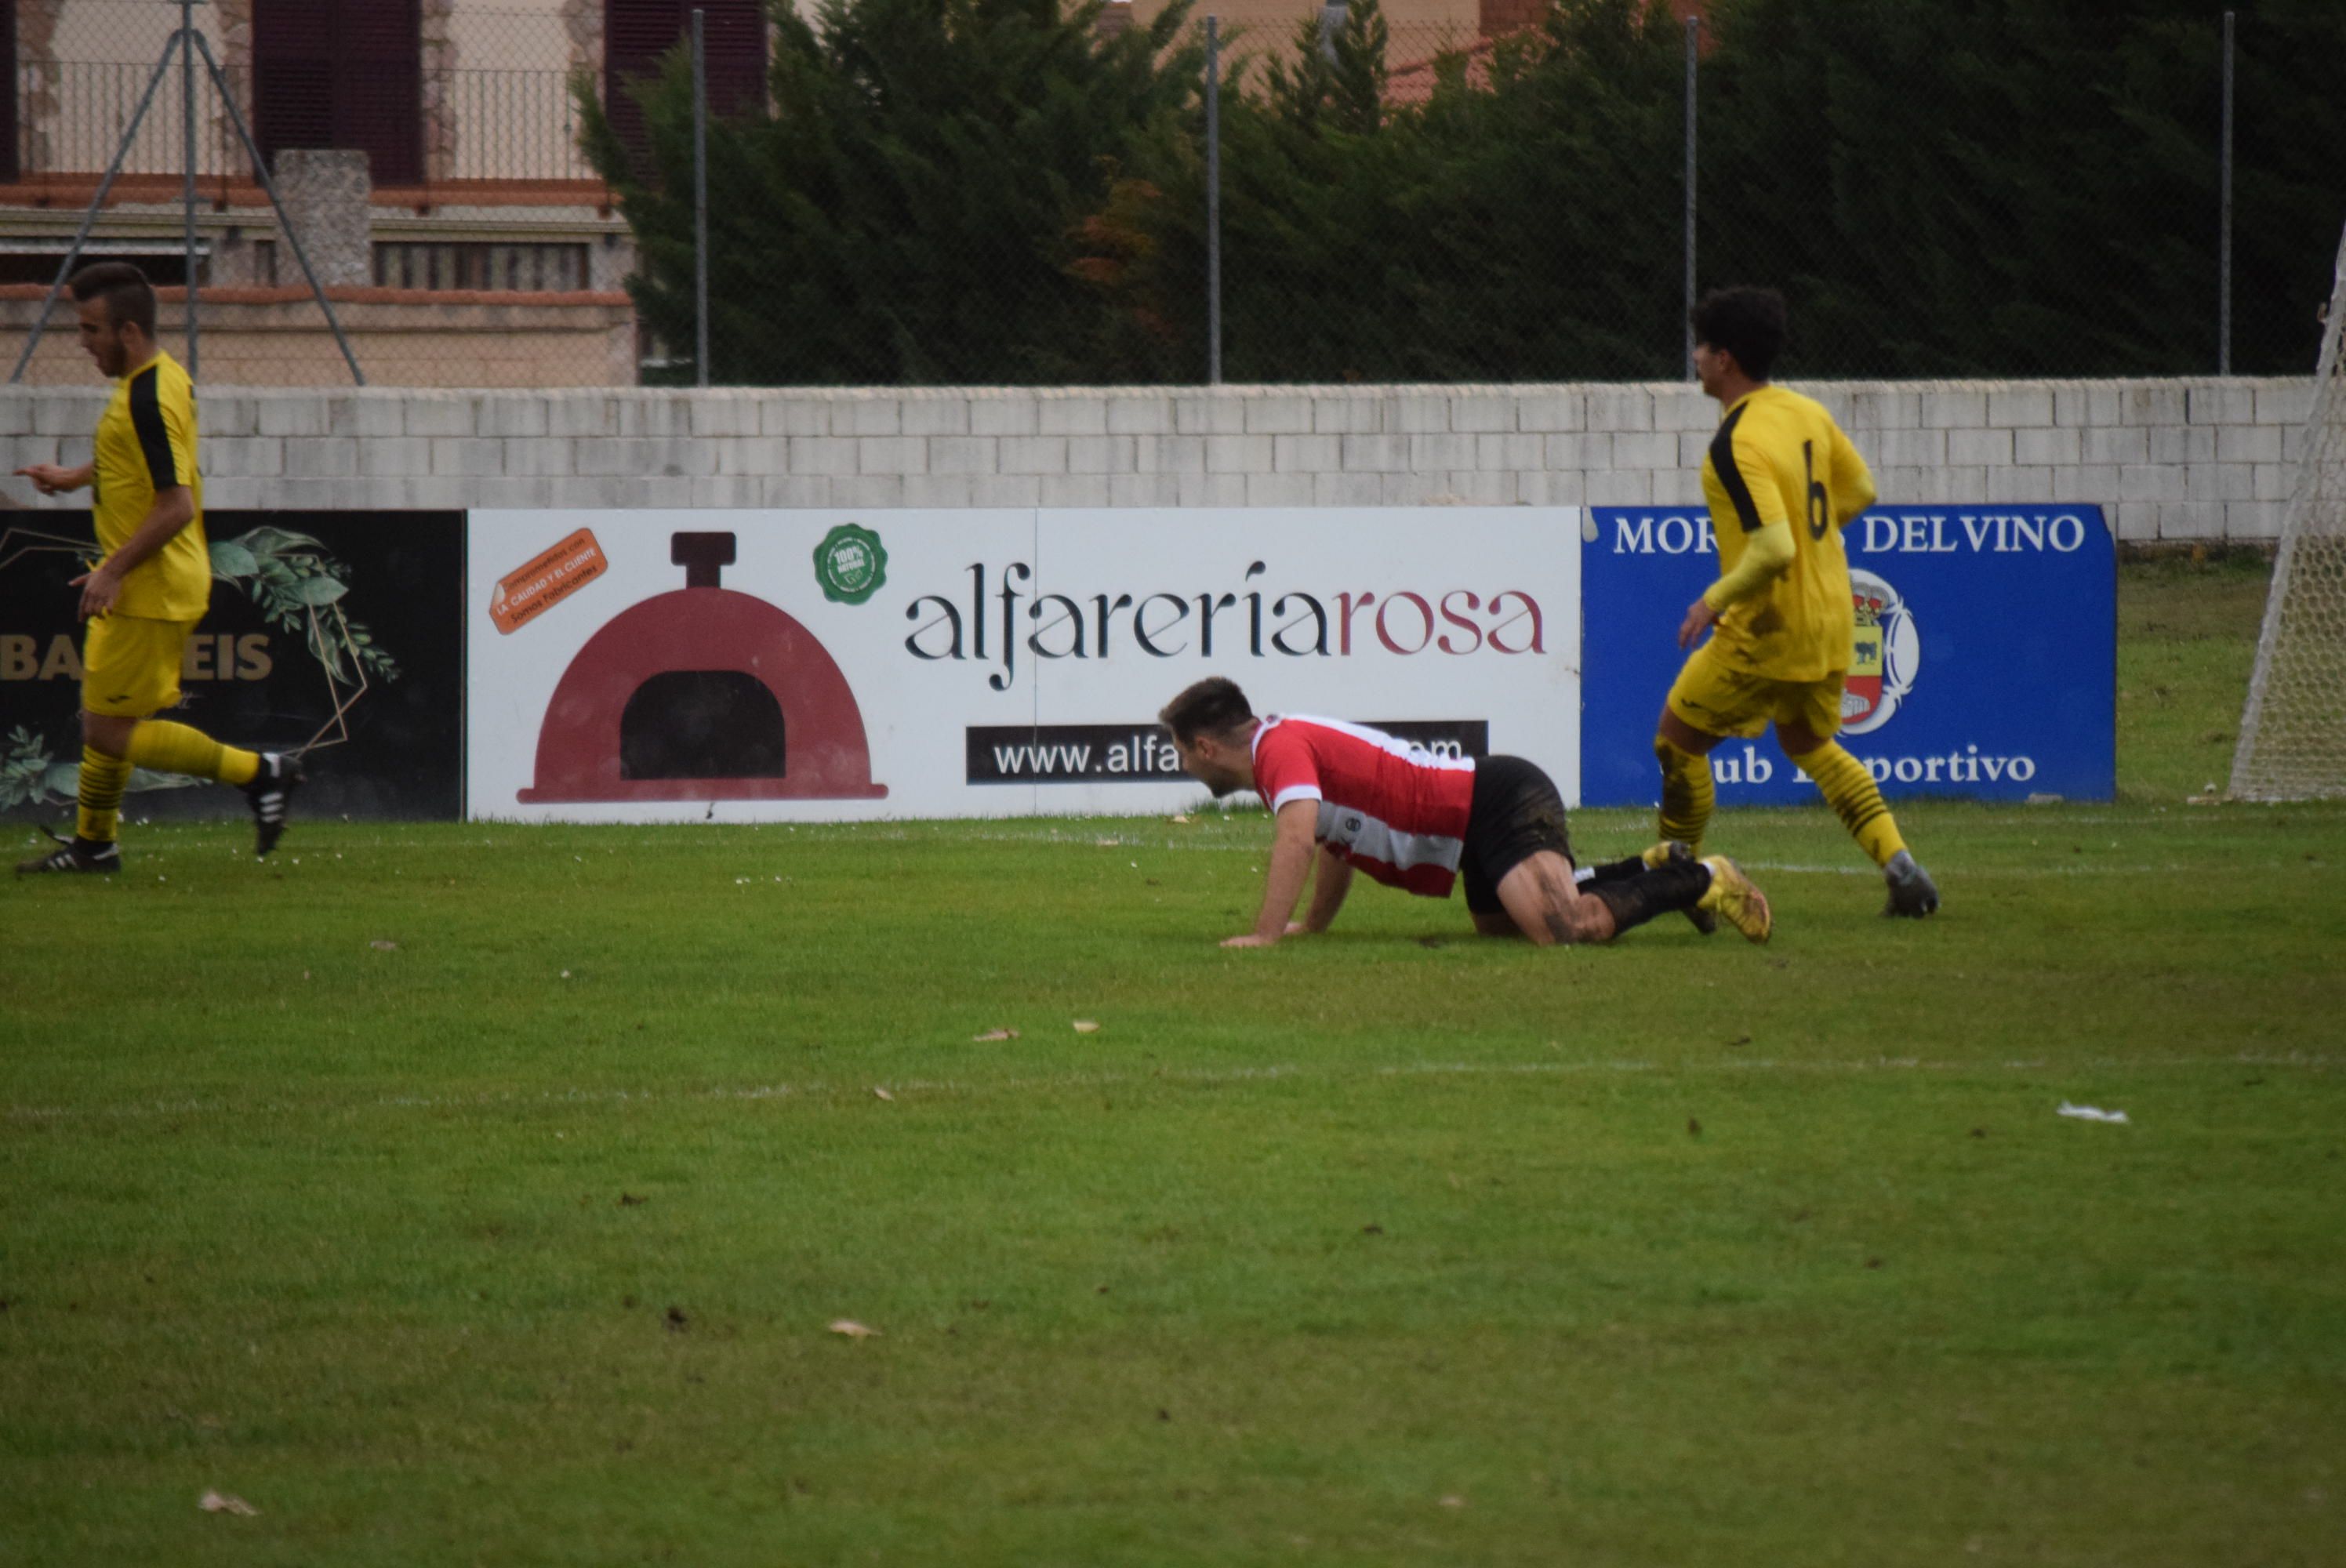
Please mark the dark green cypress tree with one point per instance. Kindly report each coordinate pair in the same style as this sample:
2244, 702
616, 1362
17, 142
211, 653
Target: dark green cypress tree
911, 210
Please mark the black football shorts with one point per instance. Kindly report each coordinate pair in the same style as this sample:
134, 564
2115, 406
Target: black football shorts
1516, 813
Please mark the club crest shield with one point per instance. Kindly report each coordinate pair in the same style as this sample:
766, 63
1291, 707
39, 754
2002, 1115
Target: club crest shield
1884, 658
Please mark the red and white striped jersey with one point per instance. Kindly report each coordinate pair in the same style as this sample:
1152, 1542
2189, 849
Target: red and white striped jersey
1395, 809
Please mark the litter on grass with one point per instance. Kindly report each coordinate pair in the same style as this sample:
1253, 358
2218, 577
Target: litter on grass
225, 1503
2091, 1114
852, 1329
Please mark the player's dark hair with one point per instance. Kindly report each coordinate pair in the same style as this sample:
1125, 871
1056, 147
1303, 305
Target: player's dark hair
1214, 706
1749, 324
129, 296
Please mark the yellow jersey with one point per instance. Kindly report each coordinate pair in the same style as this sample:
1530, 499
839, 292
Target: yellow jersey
146, 444
1779, 461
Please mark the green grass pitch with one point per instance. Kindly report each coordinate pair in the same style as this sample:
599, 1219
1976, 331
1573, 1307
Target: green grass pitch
479, 1194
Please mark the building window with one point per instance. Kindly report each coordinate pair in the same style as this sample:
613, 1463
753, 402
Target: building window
342, 74
552, 267
637, 33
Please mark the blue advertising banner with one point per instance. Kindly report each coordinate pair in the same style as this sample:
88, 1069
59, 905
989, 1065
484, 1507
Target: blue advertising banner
1986, 663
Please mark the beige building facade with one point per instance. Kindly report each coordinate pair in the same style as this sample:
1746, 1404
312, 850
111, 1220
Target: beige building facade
491, 254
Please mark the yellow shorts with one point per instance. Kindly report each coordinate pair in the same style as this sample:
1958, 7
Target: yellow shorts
130, 666
1717, 698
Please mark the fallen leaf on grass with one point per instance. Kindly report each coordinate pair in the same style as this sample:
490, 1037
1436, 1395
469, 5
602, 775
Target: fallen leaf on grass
1087, 1026
879, 1092
851, 1329
1184, 817
1693, 1128
995, 1034
629, 1200
225, 1503
380, 945
676, 1319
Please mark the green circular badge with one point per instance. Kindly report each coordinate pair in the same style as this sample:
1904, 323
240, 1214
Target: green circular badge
850, 563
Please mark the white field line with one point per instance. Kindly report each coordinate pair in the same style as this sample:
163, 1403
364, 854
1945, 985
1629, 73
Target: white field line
1968, 873
1207, 1078
1844, 868
1746, 823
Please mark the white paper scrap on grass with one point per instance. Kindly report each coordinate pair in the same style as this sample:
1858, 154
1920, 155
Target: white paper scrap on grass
2091, 1114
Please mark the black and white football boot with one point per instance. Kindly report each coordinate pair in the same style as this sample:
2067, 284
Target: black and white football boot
86, 856
271, 793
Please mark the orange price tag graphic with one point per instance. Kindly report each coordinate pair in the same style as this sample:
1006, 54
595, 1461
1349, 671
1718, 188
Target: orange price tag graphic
529, 591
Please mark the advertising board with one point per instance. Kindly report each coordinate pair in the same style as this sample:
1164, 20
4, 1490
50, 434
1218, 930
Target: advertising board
832, 664
1985, 662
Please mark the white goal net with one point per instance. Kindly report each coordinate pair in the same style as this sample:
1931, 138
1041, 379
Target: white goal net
2293, 733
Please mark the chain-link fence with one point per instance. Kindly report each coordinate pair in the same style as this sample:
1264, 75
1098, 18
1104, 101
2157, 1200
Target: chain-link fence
1011, 193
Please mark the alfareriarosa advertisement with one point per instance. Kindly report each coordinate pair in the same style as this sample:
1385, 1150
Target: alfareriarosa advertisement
837, 666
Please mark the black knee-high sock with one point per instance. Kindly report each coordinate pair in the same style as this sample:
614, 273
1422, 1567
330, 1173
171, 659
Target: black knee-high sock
1653, 891
1610, 871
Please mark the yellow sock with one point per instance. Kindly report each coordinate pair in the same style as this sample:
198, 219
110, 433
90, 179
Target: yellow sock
97, 809
161, 746
1686, 794
1855, 796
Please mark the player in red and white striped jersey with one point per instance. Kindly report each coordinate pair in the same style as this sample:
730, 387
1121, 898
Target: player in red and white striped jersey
1388, 808
1373, 803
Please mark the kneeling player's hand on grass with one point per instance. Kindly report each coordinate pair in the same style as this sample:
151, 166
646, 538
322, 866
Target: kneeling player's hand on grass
1249, 940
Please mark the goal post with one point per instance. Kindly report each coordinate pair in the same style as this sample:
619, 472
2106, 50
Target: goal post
2292, 744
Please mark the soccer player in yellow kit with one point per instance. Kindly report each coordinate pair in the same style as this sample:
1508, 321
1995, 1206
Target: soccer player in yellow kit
152, 585
1781, 481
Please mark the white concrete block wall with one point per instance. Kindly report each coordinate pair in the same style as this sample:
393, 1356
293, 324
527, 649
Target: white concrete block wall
2207, 459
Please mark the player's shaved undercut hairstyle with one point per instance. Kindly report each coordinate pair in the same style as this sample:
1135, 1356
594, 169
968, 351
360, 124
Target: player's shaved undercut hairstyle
1214, 706
1749, 324
129, 296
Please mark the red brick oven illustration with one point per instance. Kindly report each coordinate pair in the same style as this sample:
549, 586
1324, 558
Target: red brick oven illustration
703, 694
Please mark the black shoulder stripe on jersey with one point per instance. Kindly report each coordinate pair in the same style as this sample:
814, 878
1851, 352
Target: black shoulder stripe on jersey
147, 420
1722, 462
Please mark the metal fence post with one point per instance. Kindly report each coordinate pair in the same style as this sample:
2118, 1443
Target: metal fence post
1213, 202
187, 196
1693, 26
1331, 22
2224, 229
700, 197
